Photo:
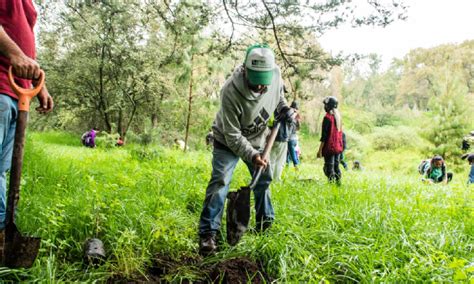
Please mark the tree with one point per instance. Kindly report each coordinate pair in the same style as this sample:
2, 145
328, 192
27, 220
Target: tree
294, 19
450, 115
419, 80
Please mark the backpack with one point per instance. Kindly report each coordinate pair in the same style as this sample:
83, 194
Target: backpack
334, 144
86, 138
422, 166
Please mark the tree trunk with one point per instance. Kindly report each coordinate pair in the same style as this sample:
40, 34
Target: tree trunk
154, 115
190, 99
154, 120
132, 115
119, 123
103, 103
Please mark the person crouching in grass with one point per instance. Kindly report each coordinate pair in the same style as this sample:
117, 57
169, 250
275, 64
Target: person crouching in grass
470, 160
435, 171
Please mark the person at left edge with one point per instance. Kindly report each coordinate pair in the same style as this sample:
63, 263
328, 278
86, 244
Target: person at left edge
17, 49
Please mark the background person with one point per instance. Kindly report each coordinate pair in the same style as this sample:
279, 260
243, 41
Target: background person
470, 160
293, 155
357, 166
468, 141
344, 145
331, 145
120, 142
434, 171
88, 138
278, 154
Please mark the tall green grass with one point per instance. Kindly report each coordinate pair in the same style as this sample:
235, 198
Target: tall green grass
381, 225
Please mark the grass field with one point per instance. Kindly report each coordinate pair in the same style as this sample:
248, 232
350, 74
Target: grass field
381, 225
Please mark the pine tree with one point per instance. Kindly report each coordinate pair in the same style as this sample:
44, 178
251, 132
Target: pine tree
450, 116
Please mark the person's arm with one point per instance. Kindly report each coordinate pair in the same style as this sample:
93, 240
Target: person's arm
297, 121
232, 131
445, 175
23, 66
45, 100
320, 151
426, 176
324, 135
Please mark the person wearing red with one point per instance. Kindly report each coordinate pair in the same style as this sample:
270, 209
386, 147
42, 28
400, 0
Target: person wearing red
331, 140
17, 49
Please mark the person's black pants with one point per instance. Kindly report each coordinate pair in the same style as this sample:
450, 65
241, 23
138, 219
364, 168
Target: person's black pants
449, 176
331, 168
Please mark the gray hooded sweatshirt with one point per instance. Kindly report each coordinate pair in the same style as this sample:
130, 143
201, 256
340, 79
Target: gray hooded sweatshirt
241, 123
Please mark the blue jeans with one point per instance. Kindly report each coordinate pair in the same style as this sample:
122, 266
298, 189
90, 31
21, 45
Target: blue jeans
471, 175
223, 165
8, 116
292, 156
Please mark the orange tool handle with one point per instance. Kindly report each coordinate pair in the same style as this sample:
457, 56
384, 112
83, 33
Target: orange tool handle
25, 95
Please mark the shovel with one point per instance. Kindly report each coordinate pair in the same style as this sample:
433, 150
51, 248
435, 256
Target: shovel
238, 206
19, 251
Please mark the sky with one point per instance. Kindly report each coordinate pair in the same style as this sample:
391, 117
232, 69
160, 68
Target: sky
430, 23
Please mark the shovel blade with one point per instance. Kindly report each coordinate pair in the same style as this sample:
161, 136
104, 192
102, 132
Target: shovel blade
20, 251
238, 214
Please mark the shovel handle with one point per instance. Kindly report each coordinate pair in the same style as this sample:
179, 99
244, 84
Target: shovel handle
24, 98
266, 153
25, 95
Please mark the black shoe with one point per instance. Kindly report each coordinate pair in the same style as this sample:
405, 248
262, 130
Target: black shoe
207, 244
261, 227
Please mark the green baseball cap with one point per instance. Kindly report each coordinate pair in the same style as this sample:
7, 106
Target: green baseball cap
259, 64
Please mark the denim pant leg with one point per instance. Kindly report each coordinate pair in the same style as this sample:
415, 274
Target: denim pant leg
8, 116
343, 161
471, 175
223, 165
263, 203
292, 152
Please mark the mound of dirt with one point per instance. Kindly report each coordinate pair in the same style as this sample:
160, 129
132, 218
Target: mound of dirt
238, 270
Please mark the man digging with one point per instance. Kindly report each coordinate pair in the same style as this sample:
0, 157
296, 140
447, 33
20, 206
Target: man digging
248, 99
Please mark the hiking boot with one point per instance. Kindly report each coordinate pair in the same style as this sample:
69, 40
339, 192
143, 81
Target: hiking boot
207, 244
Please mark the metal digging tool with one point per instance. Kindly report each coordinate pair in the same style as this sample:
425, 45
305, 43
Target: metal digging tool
19, 251
238, 205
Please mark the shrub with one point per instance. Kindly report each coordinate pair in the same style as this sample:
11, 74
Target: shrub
394, 137
145, 154
360, 121
357, 144
106, 140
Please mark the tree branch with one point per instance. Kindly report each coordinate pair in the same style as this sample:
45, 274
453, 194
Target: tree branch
275, 33
233, 27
